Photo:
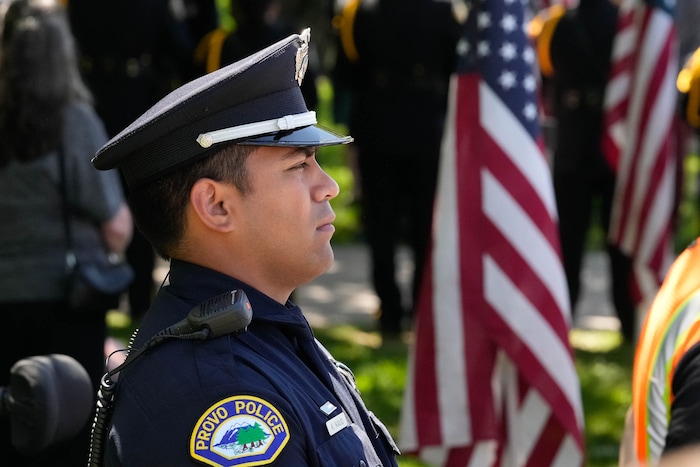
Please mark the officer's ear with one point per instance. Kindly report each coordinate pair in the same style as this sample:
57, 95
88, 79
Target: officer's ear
211, 203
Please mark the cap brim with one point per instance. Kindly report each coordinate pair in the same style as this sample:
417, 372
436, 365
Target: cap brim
307, 136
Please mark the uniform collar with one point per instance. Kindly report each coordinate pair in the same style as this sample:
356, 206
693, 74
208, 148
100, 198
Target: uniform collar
196, 284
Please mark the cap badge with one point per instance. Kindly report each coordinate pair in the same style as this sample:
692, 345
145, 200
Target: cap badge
302, 58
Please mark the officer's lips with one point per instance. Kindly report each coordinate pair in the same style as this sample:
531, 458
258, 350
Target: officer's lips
327, 225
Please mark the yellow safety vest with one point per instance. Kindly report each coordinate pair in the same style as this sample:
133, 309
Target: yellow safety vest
671, 327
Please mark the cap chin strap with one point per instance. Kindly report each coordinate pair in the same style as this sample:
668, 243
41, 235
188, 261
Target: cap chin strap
288, 122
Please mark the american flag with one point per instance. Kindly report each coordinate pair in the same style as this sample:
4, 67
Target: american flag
492, 379
639, 140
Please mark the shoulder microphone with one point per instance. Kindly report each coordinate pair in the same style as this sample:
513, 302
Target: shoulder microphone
228, 313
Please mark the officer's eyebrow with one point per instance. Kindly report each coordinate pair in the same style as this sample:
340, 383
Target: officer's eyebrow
307, 151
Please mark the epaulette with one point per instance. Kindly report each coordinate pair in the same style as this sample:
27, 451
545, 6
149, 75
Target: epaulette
688, 83
344, 24
541, 29
207, 54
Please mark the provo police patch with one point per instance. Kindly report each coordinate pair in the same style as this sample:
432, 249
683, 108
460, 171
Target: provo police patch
239, 431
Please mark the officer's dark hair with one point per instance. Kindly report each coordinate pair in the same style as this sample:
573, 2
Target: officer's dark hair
158, 207
39, 76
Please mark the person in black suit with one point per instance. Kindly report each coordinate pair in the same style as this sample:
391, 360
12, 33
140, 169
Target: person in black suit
258, 24
393, 77
578, 47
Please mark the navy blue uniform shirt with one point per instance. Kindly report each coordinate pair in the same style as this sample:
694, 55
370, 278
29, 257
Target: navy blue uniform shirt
267, 396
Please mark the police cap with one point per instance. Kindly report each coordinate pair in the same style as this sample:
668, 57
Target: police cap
256, 101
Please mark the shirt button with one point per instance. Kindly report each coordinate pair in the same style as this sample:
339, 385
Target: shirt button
362, 463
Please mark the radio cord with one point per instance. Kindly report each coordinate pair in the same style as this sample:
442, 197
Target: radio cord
107, 391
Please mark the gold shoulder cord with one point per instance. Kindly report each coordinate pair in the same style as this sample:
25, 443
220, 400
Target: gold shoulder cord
208, 49
345, 23
541, 29
688, 82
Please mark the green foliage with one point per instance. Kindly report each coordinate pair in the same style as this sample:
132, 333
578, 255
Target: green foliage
226, 21
688, 225
120, 325
604, 366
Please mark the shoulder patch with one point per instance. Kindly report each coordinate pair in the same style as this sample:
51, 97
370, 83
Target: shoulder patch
239, 431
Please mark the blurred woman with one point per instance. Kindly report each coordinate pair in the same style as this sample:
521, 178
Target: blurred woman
45, 111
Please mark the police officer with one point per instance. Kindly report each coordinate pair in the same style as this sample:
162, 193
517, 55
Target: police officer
392, 79
224, 182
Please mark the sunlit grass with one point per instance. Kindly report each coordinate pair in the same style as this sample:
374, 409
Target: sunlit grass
604, 366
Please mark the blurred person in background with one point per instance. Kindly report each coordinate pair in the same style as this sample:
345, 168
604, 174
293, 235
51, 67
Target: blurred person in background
258, 24
45, 110
575, 55
391, 80
132, 53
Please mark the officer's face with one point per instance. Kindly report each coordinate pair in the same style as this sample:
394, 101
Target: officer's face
287, 218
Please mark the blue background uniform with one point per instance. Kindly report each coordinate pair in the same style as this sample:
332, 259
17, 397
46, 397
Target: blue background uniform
163, 394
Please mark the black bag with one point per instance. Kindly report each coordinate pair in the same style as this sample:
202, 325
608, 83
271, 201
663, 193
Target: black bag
95, 285
91, 285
